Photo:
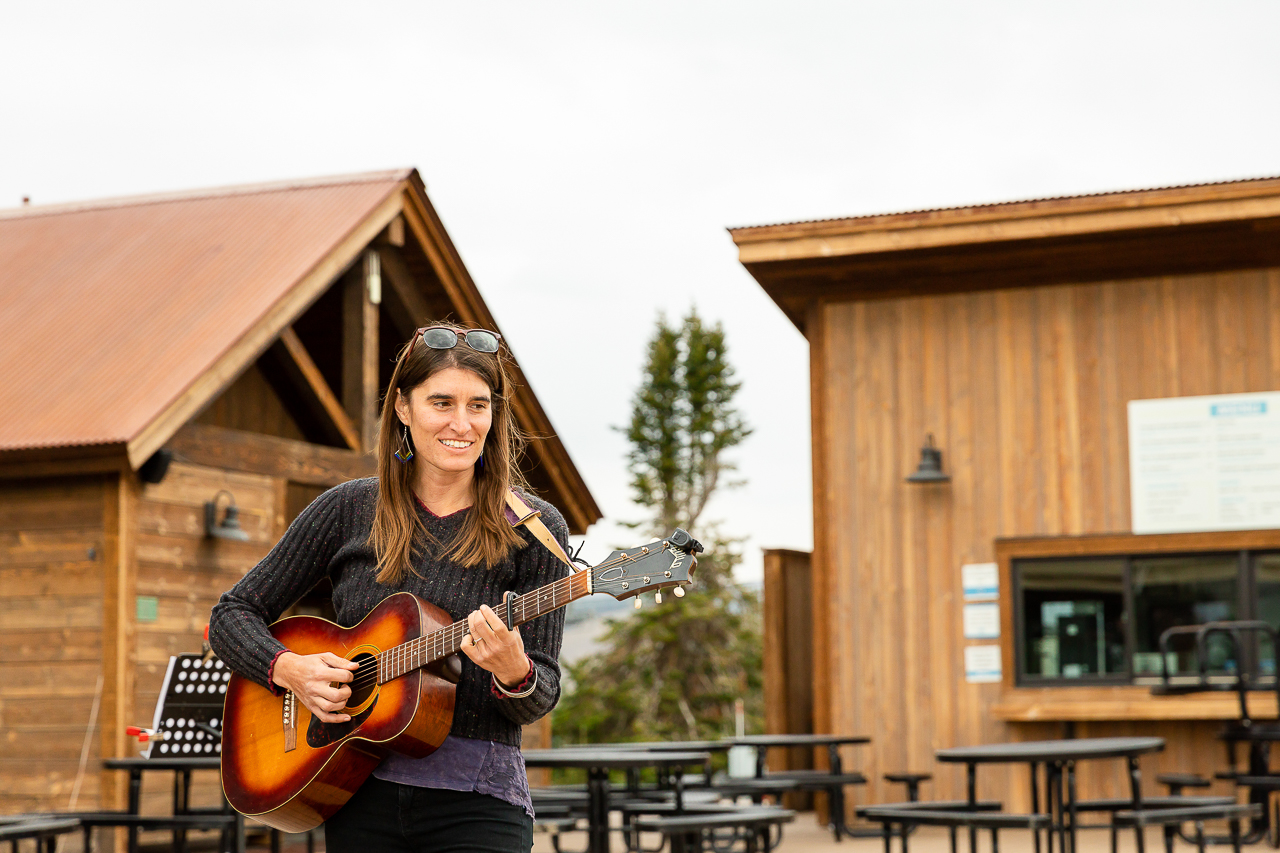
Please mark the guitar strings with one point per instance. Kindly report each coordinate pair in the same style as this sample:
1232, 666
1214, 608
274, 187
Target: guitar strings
447, 637
369, 669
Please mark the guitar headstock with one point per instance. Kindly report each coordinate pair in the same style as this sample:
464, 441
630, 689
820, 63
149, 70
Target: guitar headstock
663, 563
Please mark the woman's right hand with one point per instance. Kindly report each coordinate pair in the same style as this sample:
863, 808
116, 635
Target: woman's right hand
319, 681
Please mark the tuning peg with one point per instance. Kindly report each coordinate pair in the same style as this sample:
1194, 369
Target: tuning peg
637, 602
679, 591
657, 597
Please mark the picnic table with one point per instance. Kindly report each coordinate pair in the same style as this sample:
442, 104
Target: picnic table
1058, 759
598, 762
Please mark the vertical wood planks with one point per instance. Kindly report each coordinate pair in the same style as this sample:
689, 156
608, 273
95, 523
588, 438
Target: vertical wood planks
1026, 391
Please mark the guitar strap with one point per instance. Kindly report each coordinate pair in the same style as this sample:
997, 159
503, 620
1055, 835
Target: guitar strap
519, 512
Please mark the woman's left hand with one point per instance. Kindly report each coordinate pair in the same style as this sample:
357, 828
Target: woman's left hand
495, 648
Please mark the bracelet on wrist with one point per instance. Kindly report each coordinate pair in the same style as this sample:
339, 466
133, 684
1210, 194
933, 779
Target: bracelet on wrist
531, 678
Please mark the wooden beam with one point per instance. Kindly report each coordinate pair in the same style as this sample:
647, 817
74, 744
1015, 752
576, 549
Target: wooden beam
996, 223
393, 234
406, 306
293, 361
258, 339
119, 613
297, 461
360, 348
823, 589
448, 267
63, 461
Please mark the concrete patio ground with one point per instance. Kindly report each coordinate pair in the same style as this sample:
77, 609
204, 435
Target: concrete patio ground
804, 835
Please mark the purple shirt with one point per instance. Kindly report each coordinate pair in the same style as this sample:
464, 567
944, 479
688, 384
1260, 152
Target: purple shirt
464, 764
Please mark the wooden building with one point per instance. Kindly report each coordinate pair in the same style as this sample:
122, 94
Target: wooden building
1016, 335
164, 353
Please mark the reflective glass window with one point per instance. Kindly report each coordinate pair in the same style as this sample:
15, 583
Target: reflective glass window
1072, 618
1183, 590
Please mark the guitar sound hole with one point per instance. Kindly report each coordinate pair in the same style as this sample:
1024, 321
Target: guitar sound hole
365, 680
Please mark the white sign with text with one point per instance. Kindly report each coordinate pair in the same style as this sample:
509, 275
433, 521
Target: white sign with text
1205, 463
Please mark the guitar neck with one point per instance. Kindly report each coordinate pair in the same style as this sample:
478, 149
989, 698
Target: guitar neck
437, 645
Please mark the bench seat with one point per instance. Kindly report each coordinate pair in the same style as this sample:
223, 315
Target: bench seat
909, 815
1171, 819
685, 831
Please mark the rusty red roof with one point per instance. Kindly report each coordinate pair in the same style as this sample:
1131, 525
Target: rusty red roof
110, 310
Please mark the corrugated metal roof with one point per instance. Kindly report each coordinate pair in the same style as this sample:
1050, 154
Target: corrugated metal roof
109, 310
986, 206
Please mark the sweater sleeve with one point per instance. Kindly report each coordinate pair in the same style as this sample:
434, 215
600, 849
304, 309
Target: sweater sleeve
538, 567
238, 625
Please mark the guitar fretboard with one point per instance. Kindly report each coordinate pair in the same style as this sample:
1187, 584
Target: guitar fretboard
439, 644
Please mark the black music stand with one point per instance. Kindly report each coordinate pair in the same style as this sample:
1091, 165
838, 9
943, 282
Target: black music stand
188, 718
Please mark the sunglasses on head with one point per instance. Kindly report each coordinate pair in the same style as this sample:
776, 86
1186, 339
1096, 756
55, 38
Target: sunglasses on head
446, 337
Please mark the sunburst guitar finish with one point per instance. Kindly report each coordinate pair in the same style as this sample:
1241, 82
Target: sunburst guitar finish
290, 771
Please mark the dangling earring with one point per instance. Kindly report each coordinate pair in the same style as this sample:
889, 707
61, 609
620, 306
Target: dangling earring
480, 461
405, 451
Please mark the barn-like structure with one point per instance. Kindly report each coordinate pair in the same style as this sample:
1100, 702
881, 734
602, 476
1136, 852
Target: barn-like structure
166, 357
1016, 336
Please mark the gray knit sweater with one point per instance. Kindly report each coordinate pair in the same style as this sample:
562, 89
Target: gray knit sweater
329, 538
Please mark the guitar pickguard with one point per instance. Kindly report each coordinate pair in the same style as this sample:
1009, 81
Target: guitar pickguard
320, 734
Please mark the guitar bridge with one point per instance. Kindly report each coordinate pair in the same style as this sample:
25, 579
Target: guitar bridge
289, 718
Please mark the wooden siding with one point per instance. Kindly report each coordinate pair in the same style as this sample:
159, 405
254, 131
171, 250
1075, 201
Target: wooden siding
251, 404
185, 572
52, 568
1025, 391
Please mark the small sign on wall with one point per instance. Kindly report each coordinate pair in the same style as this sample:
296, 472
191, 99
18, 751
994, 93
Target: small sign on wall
982, 621
981, 581
982, 664
1205, 463
148, 608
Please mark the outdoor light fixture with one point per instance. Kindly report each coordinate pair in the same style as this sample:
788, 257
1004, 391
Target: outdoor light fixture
229, 527
930, 470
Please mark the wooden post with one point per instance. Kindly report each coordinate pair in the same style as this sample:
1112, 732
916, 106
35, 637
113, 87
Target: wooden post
788, 656
362, 293
119, 614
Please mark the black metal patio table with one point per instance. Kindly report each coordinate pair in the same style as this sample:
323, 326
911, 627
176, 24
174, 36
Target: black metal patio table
1059, 758
182, 768
834, 786
598, 762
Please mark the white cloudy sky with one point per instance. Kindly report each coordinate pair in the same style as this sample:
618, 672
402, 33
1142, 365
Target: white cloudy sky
586, 157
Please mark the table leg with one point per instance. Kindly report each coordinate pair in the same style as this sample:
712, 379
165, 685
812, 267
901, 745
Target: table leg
598, 810
972, 785
1260, 765
835, 801
1035, 802
181, 805
1135, 793
135, 804
1071, 804
1053, 802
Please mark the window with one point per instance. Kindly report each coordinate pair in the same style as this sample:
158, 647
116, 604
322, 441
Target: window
1098, 620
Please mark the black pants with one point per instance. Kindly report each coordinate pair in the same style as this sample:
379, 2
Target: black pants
384, 817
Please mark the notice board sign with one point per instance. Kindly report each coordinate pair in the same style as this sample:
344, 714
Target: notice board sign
1205, 463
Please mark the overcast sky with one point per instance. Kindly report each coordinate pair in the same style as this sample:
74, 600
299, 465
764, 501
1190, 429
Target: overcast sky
586, 157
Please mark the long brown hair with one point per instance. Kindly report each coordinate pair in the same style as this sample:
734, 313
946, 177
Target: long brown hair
486, 536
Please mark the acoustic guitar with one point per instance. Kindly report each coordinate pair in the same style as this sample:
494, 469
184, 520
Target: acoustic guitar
290, 771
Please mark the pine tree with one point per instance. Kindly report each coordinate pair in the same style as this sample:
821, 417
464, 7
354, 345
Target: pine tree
673, 671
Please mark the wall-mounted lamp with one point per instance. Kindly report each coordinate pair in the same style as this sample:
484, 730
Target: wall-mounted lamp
930, 470
229, 527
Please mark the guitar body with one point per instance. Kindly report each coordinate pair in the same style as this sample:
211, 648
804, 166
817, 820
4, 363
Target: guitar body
296, 783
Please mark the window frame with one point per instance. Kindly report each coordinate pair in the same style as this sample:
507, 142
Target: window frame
1127, 546
1246, 608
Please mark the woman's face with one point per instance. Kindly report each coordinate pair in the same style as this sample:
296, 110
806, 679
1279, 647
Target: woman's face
448, 417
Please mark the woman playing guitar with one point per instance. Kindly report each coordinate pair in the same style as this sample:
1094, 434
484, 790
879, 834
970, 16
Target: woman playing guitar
432, 523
